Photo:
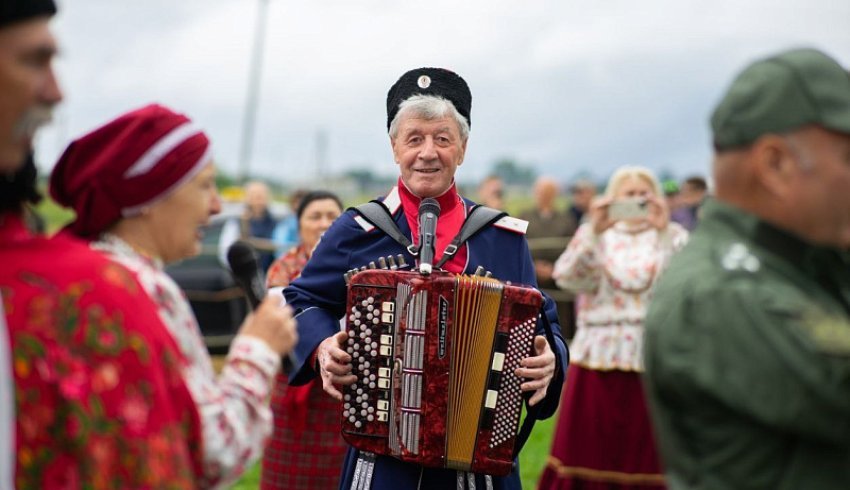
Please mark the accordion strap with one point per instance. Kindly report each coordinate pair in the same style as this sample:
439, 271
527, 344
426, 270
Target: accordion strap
478, 218
532, 412
376, 212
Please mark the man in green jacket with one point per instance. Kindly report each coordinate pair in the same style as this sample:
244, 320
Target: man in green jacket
748, 337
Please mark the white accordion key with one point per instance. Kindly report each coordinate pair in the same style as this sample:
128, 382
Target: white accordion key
384, 372
492, 396
386, 350
386, 339
384, 383
382, 416
383, 405
387, 317
498, 361
388, 306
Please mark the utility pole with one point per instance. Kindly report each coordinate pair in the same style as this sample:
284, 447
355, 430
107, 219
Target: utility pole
246, 145
321, 154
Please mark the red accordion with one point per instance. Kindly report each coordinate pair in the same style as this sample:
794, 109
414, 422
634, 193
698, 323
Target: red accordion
435, 358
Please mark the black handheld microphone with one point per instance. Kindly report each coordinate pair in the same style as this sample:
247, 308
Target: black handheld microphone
245, 268
429, 211
242, 259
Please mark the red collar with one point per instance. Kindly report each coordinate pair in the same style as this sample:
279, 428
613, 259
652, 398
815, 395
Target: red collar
448, 200
452, 216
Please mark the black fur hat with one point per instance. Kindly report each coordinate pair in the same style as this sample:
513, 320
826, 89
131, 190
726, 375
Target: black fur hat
430, 81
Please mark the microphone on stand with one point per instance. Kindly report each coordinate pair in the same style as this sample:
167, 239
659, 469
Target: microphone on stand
429, 211
242, 259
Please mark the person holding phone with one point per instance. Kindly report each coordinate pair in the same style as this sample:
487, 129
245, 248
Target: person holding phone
612, 263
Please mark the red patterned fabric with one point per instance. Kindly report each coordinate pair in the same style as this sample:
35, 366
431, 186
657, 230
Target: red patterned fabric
604, 438
100, 402
306, 450
309, 458
287, 267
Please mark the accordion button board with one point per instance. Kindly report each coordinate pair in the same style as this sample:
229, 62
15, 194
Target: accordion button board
435, 358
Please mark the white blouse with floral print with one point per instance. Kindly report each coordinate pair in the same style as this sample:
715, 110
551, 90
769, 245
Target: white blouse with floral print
234, 412
614, 274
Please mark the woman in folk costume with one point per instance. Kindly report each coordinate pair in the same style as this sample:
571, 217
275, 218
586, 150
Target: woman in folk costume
306, 449
604, 438
143, 188
97, 400
428, 118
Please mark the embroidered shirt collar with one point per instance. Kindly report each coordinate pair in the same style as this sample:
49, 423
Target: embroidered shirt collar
114, 244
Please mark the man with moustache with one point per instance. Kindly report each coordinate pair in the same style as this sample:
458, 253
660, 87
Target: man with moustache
22, 95
90, 392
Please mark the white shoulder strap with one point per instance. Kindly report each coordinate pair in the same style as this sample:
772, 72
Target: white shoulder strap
512, 224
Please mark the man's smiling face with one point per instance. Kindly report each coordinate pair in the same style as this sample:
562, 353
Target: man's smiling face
428, 153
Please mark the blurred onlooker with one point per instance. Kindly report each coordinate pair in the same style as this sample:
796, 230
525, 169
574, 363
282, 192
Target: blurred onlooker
491, 192
691, 196
748, 335
581, 195
671, 194
604, 438
257, 223
548, 232
306, 449
151, 174
285, 234
98, 401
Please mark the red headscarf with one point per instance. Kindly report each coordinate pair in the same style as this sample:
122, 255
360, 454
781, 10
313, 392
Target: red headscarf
126, 165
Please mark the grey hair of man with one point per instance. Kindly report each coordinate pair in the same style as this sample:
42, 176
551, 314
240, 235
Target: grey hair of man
429, 107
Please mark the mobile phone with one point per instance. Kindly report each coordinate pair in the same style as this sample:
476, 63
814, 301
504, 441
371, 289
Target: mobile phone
628, 209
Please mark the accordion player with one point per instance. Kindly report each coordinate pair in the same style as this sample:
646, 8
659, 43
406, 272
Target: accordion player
319, 298
435, 357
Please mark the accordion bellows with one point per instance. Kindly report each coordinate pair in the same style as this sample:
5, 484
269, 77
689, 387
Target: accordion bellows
435, 359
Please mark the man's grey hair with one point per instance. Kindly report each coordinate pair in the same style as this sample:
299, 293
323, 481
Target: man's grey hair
429, 107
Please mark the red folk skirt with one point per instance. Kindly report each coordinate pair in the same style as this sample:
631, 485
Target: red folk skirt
603, 440
306, 449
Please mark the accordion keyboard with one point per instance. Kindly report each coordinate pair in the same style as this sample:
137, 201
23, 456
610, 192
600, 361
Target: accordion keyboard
371, 323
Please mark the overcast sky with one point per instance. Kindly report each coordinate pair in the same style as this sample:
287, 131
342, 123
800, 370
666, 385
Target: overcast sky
562, 85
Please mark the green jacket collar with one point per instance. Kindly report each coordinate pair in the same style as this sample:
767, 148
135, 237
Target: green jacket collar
775, 241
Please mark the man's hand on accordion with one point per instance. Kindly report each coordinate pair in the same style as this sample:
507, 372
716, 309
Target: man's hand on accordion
538, 369
334, 364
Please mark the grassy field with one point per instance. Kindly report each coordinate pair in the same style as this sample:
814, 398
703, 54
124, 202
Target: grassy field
54, 216
532, 459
